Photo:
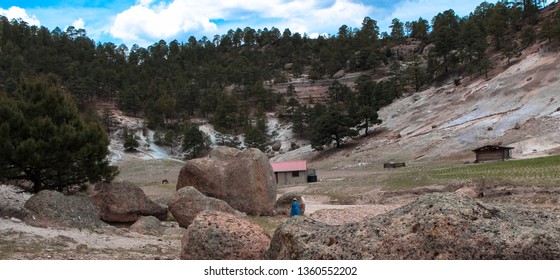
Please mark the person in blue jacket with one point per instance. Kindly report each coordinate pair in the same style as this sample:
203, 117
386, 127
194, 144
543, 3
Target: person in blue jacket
295, 207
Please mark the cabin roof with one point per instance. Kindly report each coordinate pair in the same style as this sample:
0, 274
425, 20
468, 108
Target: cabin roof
287, 166
492, 148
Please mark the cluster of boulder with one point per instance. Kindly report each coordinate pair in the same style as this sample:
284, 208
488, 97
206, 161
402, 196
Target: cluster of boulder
119, 202
215, 194
435, 226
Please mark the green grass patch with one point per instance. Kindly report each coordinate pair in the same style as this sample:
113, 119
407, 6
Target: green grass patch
543, 171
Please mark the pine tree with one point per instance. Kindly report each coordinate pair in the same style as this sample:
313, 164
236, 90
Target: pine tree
130, 142
195, 141
44, 139
331, 126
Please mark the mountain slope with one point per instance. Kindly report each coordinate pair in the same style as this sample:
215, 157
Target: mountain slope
440, 121
517, 107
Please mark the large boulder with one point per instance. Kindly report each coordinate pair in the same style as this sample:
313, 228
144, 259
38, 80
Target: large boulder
243, 179
148, 225
436, 226
283, 205
187, 202
215, 235
124, 202
55, 209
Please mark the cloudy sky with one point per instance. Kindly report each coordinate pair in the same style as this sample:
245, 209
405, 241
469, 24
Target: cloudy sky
145, 22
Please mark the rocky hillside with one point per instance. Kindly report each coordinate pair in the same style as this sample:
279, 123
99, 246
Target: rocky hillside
516, 106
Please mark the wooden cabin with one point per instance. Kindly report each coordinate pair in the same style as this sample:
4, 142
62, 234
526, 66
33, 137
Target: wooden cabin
492, 153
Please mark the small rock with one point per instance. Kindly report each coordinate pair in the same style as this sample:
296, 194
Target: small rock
81, 247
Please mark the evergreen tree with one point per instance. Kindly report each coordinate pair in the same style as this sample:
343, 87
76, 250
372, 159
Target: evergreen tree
256, 135
255, 138
195, 141
445, 37
329, 127
300, 122
369, 33
225, 115
397, 31
364, 112
497, 24
338, 94
46, 141
130, 141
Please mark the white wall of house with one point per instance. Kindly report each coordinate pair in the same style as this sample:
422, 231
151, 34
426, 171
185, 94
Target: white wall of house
291, 177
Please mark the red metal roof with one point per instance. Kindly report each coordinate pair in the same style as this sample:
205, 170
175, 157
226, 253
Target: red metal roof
286, 166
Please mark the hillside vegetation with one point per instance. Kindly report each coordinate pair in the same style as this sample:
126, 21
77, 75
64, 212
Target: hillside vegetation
427, 85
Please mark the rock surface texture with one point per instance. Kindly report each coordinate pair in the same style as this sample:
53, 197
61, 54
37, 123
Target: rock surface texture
148, 225
436, 226
215, 235
124, 202
243, 179
57, 210
187, 202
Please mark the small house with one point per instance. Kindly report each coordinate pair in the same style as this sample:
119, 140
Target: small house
492, 153
290, 172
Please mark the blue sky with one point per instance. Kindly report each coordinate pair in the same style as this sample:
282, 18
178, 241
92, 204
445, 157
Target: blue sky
145, 22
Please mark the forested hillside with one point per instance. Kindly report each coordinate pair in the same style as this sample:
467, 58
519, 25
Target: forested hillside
229, 78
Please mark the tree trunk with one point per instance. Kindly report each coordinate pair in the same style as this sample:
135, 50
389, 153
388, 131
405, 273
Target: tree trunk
36, 183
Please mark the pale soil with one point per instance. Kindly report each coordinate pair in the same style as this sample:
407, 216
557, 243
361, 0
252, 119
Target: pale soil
323, 203
21, 241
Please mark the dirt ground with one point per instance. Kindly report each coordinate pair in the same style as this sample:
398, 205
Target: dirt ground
322, 199
21, 241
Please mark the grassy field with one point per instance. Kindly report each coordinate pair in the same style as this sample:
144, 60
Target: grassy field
543, 171
149, 172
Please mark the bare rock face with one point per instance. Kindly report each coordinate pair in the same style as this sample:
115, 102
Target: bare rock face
55, 209
124, 202
187, 202
411, 46
338, 74
215, 235
148, 225
243, 179
436, 226
283, 205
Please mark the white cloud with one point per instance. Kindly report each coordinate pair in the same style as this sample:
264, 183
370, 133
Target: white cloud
79, 23
143, 21
150, 21
19, 13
